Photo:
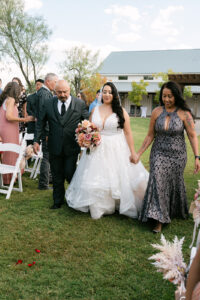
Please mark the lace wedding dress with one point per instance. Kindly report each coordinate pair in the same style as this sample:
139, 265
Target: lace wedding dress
105, 179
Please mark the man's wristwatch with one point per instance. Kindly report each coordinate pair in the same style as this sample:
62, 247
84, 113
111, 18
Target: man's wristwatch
197, 156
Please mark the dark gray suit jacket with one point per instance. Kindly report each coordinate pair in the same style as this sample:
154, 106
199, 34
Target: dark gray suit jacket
61, 129
31, 110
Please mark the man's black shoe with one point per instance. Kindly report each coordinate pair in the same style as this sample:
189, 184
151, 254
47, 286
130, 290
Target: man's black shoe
55, 206
45, 188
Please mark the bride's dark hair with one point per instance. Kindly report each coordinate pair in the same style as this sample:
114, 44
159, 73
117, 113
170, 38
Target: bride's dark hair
116, 106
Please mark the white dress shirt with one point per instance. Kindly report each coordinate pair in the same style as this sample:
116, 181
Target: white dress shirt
67, 104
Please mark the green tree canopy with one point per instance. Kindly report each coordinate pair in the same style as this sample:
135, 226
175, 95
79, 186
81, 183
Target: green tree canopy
91, 85
138, 90
80, 64
23, 39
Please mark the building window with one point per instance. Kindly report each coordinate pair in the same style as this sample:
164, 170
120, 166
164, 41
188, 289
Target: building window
122, 77
148, 77
134, 110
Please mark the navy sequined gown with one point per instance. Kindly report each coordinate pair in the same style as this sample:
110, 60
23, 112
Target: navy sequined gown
165, 196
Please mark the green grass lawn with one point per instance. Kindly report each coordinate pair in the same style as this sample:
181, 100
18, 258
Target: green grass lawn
82, 258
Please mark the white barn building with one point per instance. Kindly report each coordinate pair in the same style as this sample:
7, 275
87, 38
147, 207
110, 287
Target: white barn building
124, 67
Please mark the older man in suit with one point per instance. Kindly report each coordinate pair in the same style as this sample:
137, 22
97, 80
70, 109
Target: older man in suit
45, 95
63, 115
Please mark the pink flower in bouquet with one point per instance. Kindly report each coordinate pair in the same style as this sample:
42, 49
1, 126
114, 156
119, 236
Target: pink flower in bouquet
86, 123
89, 129
97, 138
78, 130
88, 137
81, 137
93, 126
87, 143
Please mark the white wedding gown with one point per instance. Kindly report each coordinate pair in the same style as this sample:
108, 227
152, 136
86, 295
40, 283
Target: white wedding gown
105, 179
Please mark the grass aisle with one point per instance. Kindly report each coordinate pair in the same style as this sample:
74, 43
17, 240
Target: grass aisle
82, 258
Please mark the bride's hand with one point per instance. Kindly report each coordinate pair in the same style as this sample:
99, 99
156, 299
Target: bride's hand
134, 158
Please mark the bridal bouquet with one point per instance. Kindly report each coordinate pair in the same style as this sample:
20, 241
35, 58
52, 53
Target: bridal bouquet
87, 135
170, 262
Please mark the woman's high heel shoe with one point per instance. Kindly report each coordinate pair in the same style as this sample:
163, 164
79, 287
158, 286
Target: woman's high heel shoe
158, 228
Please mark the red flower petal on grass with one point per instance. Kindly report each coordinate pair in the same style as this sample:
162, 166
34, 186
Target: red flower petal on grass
30, 265
38, 251
19, 262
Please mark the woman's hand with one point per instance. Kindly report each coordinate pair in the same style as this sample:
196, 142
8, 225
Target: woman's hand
29, 119
134, 158
197, 166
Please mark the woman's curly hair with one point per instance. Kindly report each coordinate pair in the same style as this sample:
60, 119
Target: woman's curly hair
13, 90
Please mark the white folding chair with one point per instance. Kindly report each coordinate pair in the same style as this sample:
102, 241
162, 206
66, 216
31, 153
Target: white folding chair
14, 170
20, 137
35, 170
37, 163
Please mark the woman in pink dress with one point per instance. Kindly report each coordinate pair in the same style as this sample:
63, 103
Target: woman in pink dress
9, 122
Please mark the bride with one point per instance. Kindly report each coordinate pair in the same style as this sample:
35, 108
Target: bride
107, 178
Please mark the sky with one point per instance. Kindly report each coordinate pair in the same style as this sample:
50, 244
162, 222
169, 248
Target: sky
113, 25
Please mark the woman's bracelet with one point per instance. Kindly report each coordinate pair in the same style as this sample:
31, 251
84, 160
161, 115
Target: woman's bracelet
197, 156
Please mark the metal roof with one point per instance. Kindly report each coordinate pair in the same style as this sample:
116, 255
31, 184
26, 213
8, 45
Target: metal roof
125, 87
151, 62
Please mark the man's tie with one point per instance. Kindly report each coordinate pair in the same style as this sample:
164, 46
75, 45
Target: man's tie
63, 109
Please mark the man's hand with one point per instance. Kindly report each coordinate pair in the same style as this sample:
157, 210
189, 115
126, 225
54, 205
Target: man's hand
36, 148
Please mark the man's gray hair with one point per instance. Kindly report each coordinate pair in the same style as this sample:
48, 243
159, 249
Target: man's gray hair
50, 76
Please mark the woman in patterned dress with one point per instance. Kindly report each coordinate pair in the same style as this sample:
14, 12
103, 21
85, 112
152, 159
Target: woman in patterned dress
165, 196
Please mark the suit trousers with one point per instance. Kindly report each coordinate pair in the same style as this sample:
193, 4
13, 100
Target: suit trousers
44, 168
62, 167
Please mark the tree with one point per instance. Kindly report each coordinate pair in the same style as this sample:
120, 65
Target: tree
187, 93
80, 64
91, 85
138, 90
22, 39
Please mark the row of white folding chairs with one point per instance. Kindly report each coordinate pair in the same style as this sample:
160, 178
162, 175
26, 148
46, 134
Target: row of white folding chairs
15, 170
